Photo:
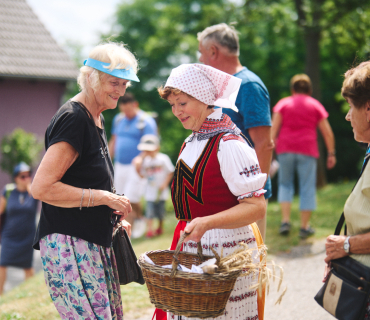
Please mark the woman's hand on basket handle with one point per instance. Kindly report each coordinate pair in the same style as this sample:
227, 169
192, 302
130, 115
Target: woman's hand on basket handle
196, 229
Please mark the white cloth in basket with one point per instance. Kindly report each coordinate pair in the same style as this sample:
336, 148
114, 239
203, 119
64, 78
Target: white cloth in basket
180, 267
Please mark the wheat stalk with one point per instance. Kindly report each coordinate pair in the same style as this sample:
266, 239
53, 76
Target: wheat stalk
242, 260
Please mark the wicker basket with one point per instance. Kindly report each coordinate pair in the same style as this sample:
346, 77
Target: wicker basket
184, 293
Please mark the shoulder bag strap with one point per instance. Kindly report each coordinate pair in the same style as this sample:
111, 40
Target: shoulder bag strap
342, 218
102, 146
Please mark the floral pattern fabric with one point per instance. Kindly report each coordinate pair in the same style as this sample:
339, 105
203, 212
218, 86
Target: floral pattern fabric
82, 278
367, 313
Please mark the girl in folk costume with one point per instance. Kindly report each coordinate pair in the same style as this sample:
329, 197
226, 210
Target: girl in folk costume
218, 185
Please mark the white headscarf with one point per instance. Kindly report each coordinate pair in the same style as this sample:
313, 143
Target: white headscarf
206, 84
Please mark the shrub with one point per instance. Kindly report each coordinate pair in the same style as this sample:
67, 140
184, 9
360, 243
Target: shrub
19, 146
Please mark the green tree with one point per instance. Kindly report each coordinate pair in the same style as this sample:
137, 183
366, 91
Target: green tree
322, 38
19, 146
162, 34
278, 38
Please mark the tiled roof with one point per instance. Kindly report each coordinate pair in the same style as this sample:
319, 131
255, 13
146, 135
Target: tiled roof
27, 49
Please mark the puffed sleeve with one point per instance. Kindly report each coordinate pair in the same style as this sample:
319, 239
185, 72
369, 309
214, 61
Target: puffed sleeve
240, 168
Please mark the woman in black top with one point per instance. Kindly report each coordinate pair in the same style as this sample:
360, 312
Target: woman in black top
79, 207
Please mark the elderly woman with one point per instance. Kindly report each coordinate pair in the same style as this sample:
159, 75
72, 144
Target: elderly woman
20, 209
218, 183
356, 90
74, 183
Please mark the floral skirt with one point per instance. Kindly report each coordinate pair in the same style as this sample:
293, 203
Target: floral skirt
242, 304
82, 278
367, 314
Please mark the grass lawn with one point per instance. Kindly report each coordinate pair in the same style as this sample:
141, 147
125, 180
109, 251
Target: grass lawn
31, 301
330, 202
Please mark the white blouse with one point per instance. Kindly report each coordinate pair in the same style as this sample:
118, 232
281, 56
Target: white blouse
238, 162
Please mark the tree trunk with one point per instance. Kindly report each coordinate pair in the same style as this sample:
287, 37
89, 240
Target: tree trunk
312, 65
312, 39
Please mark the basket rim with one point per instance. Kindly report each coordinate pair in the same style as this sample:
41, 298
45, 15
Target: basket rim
193, 293
182, 274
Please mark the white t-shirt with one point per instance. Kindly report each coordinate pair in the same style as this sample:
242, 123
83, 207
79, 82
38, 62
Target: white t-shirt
156, 170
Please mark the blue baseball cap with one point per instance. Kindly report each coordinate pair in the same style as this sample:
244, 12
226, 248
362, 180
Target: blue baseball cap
21, 167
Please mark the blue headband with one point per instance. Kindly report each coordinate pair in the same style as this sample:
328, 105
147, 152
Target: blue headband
127, 74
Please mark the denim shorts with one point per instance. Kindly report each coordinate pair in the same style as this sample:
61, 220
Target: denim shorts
155, 209
268, 188
305, 166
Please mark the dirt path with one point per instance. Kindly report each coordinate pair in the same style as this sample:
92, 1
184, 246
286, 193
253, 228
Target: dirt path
303, 271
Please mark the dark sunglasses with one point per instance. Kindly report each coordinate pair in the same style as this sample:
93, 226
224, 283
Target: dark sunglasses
24, 176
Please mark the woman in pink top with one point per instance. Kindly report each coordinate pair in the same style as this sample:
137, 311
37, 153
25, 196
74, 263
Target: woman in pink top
294, 124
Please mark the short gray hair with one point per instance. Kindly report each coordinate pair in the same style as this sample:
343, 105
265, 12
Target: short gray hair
225, 35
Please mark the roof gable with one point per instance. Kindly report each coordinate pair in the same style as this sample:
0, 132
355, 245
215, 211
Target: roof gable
27, 49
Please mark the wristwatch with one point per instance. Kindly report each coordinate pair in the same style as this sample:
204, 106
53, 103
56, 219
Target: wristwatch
346, 245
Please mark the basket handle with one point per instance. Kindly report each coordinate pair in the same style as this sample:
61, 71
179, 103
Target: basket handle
175, 260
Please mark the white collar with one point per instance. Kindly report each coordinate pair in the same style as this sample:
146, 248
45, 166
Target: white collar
214, 124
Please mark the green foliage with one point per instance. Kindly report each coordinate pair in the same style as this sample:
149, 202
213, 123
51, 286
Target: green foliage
273, 40
19, 146
12, 316
162, 34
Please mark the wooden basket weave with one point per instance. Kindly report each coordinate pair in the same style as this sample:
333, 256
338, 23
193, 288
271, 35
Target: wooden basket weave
184, 293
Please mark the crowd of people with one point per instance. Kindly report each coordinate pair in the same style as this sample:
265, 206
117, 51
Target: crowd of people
220, 184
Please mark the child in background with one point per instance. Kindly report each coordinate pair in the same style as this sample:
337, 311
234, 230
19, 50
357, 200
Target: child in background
158, 169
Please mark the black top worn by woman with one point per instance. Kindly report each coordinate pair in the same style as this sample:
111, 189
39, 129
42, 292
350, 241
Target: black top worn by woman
71, 124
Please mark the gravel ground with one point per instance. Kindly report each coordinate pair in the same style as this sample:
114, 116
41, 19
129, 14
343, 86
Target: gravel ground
303, 271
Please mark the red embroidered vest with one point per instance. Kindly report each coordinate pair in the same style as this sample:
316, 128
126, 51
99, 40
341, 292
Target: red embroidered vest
201, 191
